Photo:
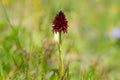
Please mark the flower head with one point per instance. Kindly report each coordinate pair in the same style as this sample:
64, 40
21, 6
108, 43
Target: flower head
60, 23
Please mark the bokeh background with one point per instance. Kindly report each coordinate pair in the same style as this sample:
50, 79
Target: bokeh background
91, 47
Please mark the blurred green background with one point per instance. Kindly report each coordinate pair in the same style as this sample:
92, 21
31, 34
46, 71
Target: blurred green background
91, 46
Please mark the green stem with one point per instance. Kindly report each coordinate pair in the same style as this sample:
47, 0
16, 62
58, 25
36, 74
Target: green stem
60, 57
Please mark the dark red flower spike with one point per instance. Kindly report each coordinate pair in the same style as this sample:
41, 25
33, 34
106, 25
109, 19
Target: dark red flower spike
60, 23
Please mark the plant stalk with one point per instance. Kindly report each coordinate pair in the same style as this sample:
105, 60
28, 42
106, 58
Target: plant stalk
60, 57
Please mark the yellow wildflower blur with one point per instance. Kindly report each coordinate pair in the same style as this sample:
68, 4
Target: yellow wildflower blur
6, 1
